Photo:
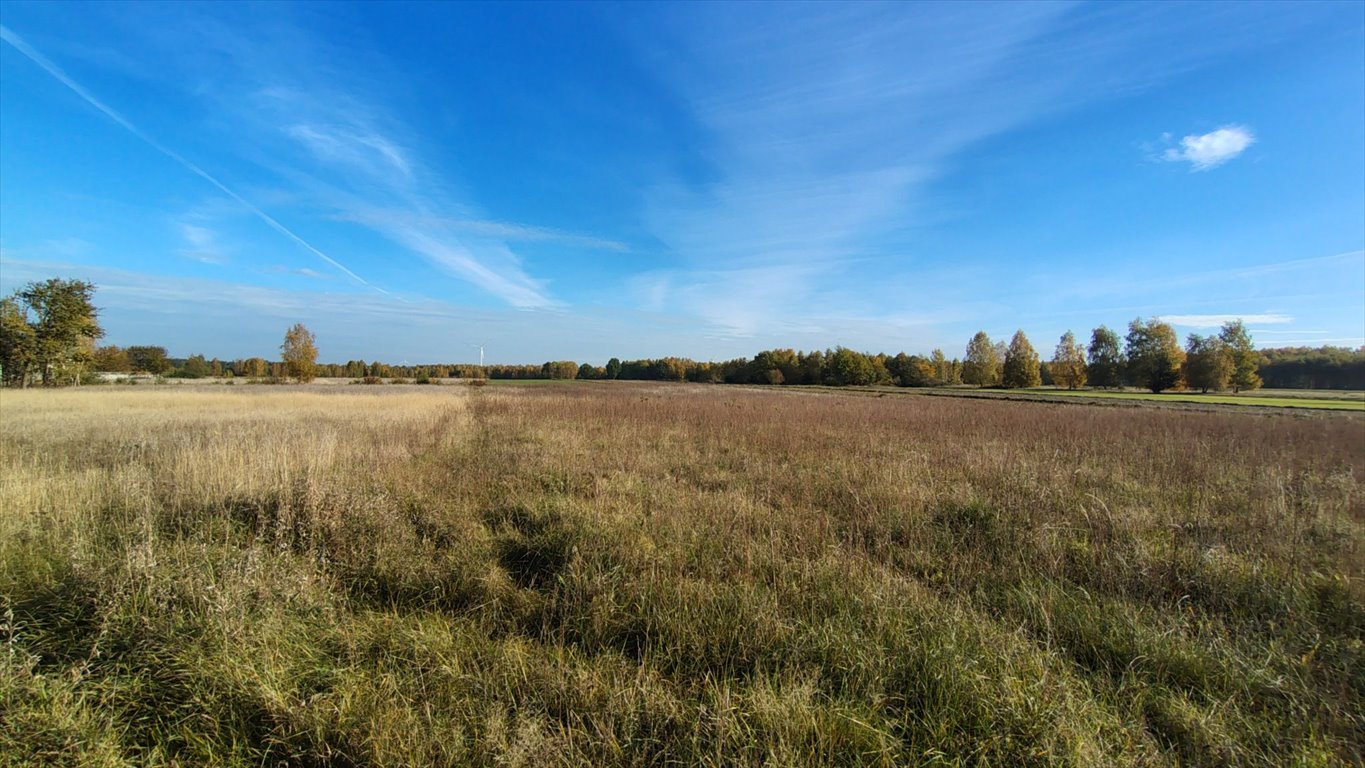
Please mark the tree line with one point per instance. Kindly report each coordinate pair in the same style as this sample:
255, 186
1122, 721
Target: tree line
48, 332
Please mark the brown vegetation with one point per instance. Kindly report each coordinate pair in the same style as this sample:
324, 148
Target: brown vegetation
651, 574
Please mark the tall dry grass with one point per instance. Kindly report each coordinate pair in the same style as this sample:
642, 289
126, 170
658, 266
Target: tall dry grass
640, 575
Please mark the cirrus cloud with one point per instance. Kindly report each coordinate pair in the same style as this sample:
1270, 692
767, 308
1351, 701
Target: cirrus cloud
1213, 321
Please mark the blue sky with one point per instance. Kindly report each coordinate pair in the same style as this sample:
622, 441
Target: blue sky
584, 181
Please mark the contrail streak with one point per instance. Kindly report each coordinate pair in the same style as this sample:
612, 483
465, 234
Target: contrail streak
52, 69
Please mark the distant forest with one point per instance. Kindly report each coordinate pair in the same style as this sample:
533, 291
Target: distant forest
49, 330
1281, 368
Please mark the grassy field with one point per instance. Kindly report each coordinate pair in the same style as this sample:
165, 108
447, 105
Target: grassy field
636, 575
1308, 399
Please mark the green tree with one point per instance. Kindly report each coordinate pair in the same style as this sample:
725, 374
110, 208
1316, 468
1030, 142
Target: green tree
1068, 363
774, 366
1308, 368
613, 368
1207, 363
845, 367
195, 367
981, 366
559, 369
1107, 364
18, 344
300, 353
673, 368
810, 368
1021, 363
1242, 355
943, 368
62, 327
148, 360
1154, 354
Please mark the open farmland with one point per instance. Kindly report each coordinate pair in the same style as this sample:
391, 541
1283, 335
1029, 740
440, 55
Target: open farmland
615, 574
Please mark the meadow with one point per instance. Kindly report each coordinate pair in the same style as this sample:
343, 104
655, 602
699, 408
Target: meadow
1348, 400
644, 575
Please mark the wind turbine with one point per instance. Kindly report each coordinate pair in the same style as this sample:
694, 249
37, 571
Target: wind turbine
481, 346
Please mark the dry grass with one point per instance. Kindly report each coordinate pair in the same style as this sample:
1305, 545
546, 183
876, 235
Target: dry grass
654, 575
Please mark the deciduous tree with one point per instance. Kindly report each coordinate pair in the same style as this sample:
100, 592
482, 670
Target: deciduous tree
253, 367
1068, 363
1207, 363
62, 327
1242, 354
1106, 366
195, 367
146, 359
300, 353
845, 367
111, 359
18, 344
945, 372
560, 369
981, 366
1154, 354
1021, 363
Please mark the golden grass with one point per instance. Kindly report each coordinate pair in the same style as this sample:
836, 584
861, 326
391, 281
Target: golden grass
650, 574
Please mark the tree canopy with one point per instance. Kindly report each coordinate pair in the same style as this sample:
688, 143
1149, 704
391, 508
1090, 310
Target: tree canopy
1021, 363
1106, 366
48, 330
981, 366
1242, 356
1068, 363
149, 359
300, 353
1208, 366
1154, 354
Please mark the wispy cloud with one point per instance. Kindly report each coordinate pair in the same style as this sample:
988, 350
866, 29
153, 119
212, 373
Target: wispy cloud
340, 145
184, 314
33, 55
1340, 341
1212, 149
202, 244
737, 303
825, 130
500, 230
531, 234
1214, 321
370, 179
510, 284
357, 164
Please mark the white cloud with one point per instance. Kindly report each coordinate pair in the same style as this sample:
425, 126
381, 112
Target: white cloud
362, 149
387, 189
500, 230
1211, 149
202, 244
52, 69
1214, 321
